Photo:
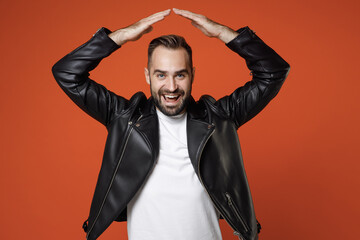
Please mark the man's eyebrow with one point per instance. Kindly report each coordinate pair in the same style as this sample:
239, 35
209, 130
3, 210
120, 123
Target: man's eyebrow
182, 71
177, 72
159, 71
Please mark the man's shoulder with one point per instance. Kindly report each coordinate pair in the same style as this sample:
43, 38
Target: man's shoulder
204, 106
129, 105
212, 105
207, 98
138, 96
138, 101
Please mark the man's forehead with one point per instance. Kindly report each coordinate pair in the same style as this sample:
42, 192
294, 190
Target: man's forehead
159, 50
165, 58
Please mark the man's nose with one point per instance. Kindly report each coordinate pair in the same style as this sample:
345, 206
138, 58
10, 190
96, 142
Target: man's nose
172, 86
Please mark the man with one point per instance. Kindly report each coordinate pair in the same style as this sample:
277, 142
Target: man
172, 166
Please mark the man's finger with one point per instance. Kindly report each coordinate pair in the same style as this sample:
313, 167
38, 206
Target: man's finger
152, 21
156, 17
149, 29
195, 24
187, 14
182, 11
162, 13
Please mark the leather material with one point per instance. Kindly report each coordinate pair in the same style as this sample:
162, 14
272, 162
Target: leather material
132, 145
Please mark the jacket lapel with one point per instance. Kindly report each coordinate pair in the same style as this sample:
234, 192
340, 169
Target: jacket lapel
199, 130
147, 124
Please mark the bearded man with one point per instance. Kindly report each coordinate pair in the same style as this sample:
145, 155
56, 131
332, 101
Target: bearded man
172, 166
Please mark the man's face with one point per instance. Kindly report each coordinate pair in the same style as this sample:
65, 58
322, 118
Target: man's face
170, 78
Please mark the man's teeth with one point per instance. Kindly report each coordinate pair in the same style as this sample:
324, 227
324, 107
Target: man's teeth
171, 96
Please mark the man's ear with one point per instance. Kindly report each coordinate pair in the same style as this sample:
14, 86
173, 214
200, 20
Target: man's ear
193, 75
147, 75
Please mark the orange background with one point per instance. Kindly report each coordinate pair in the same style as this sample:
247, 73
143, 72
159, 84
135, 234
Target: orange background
301, 153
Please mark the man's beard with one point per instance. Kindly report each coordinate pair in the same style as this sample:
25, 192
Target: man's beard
171, 111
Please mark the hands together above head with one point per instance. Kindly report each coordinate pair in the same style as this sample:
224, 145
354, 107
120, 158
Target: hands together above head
208, 26
143, 26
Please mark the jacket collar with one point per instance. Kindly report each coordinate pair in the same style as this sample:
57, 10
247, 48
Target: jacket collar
148, 107
198, 127
196, 110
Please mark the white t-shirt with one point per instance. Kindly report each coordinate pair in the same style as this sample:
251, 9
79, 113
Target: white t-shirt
172, 204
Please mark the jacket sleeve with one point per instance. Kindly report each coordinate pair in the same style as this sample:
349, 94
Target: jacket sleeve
268, 72
72, 74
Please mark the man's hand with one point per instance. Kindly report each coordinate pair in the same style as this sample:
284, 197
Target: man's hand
207, 26
136, 30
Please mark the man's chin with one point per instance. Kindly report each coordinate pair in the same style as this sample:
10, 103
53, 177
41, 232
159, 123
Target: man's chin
170, 111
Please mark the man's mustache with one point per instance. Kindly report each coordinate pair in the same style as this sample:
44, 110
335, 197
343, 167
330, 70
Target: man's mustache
166, 91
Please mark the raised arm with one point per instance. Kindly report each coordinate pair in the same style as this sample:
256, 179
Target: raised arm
267, 68
72, 71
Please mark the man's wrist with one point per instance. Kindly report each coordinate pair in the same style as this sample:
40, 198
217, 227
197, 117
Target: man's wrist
227, 34
117, 37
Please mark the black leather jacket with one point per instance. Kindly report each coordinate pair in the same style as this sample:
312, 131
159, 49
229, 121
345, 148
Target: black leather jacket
132, 144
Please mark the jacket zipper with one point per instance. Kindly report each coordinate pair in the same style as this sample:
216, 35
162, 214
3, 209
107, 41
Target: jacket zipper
233, 207
130, 129
201, 181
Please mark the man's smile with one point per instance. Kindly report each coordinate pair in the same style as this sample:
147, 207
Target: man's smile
171, 99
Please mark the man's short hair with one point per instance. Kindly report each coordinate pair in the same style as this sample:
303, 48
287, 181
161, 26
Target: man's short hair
172, 42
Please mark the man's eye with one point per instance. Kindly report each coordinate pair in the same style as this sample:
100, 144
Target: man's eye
160, 75
180, 75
